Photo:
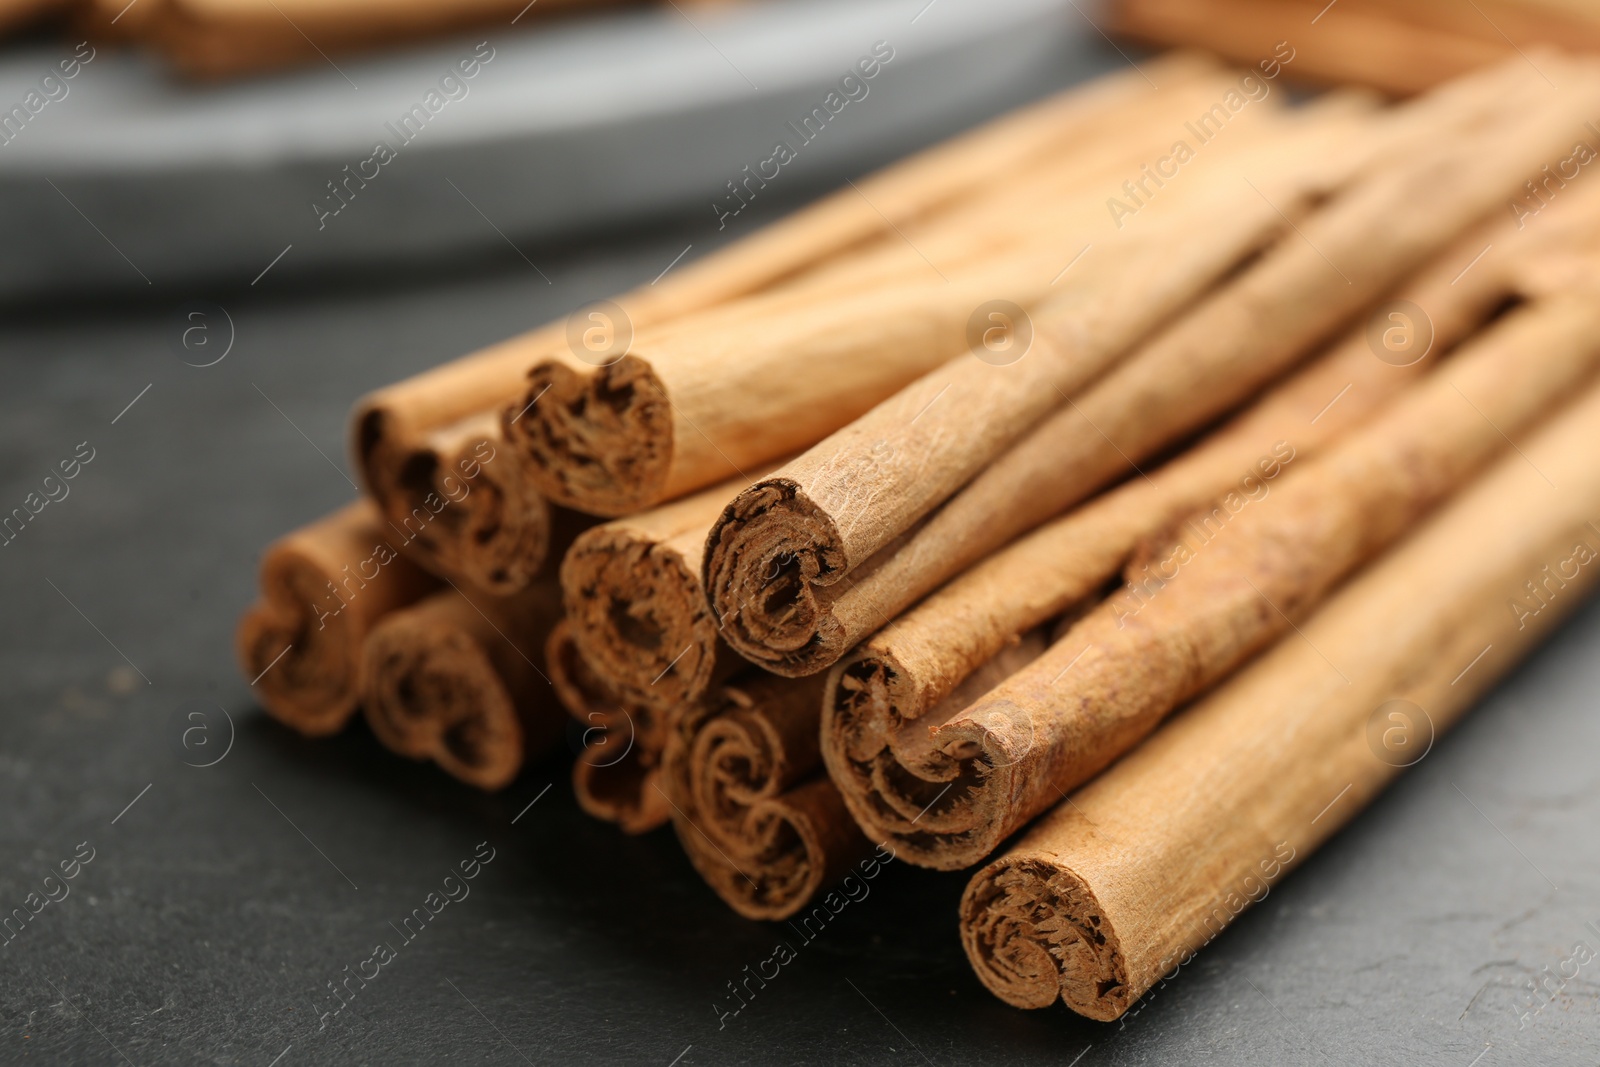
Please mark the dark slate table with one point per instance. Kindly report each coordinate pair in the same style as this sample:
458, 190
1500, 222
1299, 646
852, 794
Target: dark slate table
222, 900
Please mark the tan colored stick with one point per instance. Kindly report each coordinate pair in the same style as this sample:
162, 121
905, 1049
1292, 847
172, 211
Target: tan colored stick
491, 532
1228, 587
695, 401
777, 562
616, 776
1358, 45
323, 588
1157, 856
389, 426
1014, 208
229, 38
455, 680
761, 827
1558, 24
637, 611
880, 698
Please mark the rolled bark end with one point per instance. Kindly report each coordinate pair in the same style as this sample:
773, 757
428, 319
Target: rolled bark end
762, 849
434, 694
616, 775
757, 849
306, 676
773, 862
862, 728
502, 534
639, 615
323, 587
601, 443
768, 560
761, 825
1034, 932
400, 475
623, 793
862, 707
929, 779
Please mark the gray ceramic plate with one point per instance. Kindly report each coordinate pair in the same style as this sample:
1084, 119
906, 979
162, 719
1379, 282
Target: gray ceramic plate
131, 178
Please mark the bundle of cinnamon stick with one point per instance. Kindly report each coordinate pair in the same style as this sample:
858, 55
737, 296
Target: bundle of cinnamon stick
927, 514
1397, 46
214, 39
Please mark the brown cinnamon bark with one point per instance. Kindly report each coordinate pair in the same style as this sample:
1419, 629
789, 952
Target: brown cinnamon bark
1397, 46
475, 519
458, 681
389, 427
1357, 45
493, 531
1156, 857
211, 39
323, 588
796, 569
879, 699
760, 825
108, 20
1225, 586
637, 611
616, 776
1558, 24
704, 397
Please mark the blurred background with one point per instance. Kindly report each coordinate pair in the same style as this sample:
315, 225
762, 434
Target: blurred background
347, 192
164, 165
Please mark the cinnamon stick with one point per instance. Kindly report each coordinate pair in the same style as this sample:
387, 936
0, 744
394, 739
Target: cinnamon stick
699, 399
765, 828
795, 569
475, 518
212, 39
880, 698
616, 776
323, 588
1217, 599
1356, 45
1158, 855
760, 825
635, 604
1558, 24
457, 681
1397, 46
389, 427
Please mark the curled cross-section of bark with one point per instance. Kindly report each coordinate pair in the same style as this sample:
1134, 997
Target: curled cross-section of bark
323, 588
456, 681
616, 775
638, 611
763, 826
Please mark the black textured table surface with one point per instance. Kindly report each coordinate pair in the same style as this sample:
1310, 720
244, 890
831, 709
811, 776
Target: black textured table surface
221, 901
